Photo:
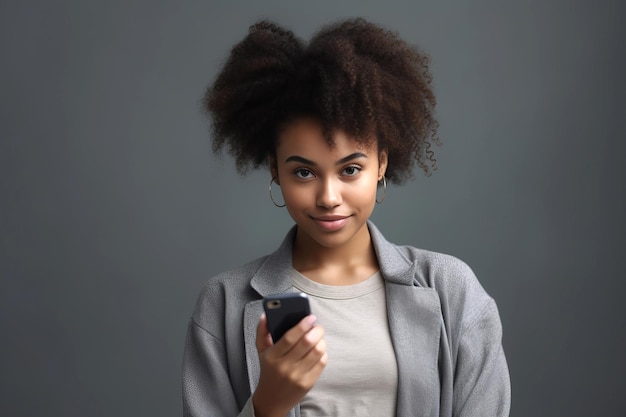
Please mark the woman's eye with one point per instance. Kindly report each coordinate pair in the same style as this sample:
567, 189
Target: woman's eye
351, 170
304, 173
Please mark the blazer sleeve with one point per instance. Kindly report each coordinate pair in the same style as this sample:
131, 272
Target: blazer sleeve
481, 383
207, 390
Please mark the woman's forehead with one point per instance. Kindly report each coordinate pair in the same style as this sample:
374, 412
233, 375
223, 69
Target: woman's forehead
306, 134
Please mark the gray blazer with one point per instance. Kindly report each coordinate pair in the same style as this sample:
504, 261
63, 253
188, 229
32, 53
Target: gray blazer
445, 331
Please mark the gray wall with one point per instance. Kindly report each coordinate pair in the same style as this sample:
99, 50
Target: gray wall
111, 202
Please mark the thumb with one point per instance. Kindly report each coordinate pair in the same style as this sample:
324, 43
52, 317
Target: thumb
263, 337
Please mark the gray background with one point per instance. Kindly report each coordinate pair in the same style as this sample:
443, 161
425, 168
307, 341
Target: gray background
111, 203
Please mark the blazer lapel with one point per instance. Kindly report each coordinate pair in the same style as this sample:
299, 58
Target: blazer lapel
272, 277
252, 312
415, 327
414, 314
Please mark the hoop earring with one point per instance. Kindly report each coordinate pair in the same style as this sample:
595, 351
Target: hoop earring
272, 197
384, 191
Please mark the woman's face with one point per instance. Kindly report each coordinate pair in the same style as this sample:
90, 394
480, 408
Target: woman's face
330, 192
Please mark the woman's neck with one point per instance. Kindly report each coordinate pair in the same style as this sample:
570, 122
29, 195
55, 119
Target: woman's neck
348, 264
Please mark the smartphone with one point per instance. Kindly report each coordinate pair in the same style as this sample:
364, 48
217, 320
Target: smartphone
283, 311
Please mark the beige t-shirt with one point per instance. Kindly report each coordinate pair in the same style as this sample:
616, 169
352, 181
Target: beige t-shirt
361, 376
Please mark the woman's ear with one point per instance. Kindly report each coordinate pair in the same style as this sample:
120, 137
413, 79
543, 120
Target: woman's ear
382, 163
274, 169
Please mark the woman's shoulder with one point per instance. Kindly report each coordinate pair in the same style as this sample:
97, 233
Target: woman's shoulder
462, 297
447, 274
440, 270
225, 288
235, 277
433, 267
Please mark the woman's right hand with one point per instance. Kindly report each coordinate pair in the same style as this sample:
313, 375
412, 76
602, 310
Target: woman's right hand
289, 368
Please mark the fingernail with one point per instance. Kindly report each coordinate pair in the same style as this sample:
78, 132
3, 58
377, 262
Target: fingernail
311, 319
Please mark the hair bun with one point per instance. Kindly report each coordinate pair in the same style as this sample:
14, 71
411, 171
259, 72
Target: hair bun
247, 93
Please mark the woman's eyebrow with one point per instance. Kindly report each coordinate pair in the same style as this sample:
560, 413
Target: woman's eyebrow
350, 157
300, 159
343, 160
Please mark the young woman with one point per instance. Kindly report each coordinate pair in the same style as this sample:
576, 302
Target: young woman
396, 331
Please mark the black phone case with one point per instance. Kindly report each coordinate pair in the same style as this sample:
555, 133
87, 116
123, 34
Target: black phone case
283, 311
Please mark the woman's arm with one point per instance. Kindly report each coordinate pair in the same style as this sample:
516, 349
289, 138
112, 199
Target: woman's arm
481, 382
207, 390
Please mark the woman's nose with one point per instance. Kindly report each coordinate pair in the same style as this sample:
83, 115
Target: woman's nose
329, 194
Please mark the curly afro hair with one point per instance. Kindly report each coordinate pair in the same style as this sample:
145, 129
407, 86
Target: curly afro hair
353, 75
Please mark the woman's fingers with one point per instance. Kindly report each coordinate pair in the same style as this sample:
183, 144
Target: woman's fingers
311, 345
315, 357
299, 350
294, 336
303, 362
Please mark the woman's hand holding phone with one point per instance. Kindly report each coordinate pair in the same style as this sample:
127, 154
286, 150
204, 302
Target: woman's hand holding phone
289, 368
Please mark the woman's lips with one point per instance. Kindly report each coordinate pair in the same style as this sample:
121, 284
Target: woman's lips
331, 223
